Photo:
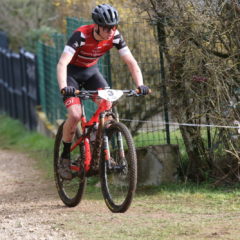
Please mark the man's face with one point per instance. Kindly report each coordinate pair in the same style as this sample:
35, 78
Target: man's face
107, 32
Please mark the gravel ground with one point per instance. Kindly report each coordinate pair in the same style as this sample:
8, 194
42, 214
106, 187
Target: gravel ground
29, 206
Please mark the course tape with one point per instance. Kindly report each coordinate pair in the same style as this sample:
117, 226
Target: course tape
187, 124
183, 124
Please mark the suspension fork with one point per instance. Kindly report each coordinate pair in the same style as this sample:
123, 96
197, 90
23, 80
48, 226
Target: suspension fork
106, 147
103, 138
119, 135
87, 161
120, 145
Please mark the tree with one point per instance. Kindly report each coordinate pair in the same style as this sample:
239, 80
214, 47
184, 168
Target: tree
200, 41
18, 18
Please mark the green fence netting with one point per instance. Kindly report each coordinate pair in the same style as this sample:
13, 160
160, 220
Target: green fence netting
48, 55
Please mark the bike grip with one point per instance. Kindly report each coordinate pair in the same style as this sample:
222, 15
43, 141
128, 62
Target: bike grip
138, 91
77, 92
63, 92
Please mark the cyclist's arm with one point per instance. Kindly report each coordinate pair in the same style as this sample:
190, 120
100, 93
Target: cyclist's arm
75, 41
62, 69
128, 58
133, 68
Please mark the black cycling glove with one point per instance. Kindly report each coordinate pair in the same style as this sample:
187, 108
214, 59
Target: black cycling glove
144, 90
68, 91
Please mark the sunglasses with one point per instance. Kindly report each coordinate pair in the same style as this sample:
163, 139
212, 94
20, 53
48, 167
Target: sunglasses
109, 28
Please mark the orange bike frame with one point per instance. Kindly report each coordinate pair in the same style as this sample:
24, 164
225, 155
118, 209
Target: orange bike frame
103, 106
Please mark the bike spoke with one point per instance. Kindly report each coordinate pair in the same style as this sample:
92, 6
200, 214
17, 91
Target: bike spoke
118, 173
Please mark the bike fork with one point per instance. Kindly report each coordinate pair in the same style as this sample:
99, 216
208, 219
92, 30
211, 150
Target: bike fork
120, 145
106, 148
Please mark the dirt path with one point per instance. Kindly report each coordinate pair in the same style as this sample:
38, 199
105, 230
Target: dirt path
29, 207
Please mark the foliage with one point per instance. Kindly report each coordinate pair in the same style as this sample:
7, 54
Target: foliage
200, 42
19, 18
43, 34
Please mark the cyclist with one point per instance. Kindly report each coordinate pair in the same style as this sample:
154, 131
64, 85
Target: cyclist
77, 67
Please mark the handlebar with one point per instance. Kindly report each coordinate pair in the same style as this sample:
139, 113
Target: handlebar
131, 92
85, 94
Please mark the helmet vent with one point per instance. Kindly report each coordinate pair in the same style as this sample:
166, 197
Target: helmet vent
116, 16
105, 17
110, 14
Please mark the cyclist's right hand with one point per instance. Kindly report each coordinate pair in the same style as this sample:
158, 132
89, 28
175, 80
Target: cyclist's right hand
68, 91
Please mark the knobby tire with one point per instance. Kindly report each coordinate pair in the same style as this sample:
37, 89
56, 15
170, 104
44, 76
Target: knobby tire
76, 186
118, 195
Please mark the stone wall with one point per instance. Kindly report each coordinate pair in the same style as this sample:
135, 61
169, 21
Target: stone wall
157, 164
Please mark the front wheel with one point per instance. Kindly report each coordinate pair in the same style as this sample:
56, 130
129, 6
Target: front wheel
70, 191
118, 167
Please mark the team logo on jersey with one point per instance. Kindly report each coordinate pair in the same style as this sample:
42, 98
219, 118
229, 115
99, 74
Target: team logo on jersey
76, 44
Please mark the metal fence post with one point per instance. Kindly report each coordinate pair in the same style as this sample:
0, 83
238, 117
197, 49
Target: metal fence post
17, 83
1, 81
161, 35
3, 40
24, 88
32, 88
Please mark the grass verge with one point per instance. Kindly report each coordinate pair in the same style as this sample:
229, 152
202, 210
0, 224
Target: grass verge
14, 136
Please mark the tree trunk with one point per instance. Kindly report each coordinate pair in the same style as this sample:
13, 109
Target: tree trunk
198, 160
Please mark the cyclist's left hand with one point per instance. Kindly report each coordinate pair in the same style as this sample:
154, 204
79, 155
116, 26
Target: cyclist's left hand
144, 90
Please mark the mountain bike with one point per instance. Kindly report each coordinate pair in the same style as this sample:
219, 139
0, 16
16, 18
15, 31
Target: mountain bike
104, 147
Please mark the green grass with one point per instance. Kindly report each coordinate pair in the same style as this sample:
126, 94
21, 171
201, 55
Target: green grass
171, 211
14, 136
190, 197
145, 139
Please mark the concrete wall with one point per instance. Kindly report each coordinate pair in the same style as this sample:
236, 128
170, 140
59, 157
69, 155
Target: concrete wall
157, 164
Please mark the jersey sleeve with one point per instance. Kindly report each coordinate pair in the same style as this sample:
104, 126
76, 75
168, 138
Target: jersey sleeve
120, 43
74, 42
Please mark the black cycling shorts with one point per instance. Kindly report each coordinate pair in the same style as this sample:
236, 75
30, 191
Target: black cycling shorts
88, 78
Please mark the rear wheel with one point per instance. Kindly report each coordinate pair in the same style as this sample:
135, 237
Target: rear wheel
70, 191
118, 172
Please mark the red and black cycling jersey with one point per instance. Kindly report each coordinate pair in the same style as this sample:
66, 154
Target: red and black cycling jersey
86, 50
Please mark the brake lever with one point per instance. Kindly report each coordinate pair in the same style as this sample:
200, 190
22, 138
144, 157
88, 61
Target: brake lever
133, 93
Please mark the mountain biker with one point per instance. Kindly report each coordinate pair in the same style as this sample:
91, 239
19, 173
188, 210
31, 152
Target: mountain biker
77, 67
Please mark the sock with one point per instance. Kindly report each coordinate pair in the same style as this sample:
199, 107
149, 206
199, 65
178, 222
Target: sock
66, 149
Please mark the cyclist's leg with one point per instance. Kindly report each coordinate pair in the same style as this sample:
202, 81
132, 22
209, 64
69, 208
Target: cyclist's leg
74, 112
97, 81
77, 76
74, 115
